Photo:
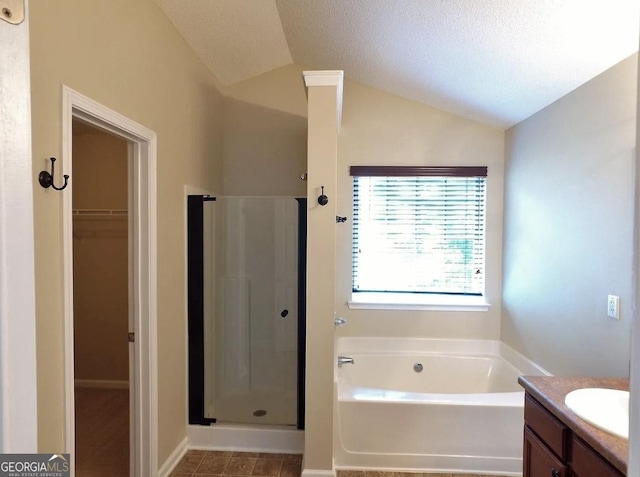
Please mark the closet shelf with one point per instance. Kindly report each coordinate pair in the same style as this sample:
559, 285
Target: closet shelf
100, 223
100, 213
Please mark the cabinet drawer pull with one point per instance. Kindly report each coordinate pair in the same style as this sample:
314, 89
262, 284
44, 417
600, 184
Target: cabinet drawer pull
555, 473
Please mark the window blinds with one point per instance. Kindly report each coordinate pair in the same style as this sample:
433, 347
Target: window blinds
420, 233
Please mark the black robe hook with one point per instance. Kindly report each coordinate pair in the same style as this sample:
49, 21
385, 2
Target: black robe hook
323, 199
46, 179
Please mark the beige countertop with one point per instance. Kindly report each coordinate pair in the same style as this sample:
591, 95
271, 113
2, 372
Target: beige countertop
550, 392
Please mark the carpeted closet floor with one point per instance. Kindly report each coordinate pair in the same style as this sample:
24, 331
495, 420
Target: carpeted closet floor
102, 432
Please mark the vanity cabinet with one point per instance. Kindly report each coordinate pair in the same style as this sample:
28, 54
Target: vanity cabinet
552, 449
539, 461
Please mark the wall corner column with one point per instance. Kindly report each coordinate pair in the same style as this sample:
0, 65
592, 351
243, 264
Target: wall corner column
324, 95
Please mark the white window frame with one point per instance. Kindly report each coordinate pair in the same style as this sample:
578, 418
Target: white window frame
418, 301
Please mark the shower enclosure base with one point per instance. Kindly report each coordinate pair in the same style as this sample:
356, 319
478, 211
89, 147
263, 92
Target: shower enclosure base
247, 408
272, 439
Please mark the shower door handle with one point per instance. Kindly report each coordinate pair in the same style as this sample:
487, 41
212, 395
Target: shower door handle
284, 313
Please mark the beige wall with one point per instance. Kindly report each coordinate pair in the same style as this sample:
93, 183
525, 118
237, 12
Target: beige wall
265, 135
265, 151
127, 56
280, 90
99, 169
569, 228
100, 258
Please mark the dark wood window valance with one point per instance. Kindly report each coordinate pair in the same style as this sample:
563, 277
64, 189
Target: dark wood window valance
415, 171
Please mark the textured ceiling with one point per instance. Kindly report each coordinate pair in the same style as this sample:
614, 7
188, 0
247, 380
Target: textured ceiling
236, 39
496, 61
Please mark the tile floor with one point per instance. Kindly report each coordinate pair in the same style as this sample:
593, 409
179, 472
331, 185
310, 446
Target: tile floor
198, 463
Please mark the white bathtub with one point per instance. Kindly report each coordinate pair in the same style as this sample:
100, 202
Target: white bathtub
462, 413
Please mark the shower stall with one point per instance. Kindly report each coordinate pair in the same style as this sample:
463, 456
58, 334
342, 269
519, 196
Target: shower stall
246, 292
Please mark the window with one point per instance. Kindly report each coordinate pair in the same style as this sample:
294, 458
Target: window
419, 230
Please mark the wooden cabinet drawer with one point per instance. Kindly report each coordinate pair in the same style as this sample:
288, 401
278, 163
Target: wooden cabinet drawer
539, 461
585, 462
550, 430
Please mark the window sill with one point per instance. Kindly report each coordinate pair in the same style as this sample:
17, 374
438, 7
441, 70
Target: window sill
407, 301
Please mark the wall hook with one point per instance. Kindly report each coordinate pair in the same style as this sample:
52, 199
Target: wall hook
46, 179
323, 199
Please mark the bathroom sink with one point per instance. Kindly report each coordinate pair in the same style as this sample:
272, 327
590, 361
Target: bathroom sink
606, 409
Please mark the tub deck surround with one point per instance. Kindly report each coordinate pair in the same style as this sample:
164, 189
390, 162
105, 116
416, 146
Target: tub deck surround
466, 347
550, 391
461, 411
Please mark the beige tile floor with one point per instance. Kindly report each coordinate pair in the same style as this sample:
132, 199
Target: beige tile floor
223, 464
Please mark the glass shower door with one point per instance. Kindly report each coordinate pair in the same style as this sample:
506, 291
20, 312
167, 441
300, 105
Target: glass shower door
251, 316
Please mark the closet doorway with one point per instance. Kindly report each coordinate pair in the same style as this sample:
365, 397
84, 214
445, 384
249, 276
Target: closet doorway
101, 302
142, 275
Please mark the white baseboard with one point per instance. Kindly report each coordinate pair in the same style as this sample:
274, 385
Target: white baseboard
318, 473
99, 383
171, 462
246, 439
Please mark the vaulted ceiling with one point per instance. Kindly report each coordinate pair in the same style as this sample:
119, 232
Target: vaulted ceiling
495, 61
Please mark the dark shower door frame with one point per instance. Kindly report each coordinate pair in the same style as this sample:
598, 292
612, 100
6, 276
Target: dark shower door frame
195, 308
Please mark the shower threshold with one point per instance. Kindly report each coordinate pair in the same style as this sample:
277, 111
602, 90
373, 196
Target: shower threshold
247, 438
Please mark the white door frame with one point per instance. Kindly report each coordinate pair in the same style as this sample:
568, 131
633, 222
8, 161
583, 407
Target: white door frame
142, 273
18, 387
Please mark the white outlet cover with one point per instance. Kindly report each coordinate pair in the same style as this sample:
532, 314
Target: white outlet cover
613, 307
